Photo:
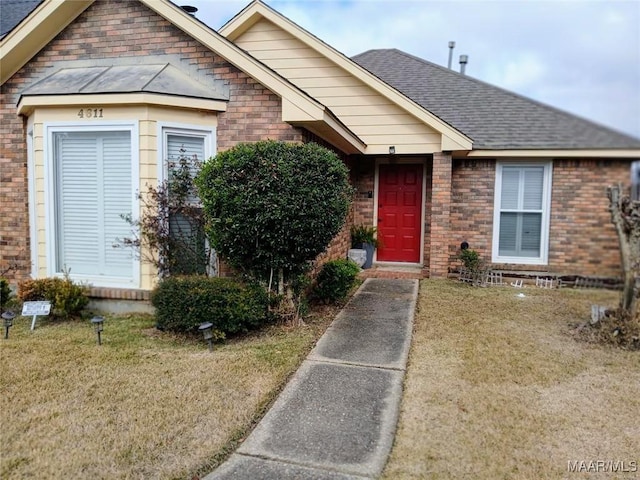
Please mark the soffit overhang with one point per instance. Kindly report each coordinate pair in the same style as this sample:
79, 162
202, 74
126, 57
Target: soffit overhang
552, 153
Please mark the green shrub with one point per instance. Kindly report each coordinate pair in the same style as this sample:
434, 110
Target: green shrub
273, 207
5, 293
67, 298
471, 260
184, 302
335, 280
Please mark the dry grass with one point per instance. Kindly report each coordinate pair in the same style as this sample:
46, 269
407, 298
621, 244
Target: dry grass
497, 388
143, 405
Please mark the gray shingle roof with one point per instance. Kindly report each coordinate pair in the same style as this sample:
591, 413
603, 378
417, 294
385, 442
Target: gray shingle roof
494, 118
12, 12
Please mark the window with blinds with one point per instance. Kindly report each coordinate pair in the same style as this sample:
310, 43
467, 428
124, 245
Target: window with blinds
185, 152
92, 189
521, 219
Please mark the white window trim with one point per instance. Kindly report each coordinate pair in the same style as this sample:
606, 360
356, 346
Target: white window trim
33, 211
543, 259
50, 179
165, 128
209, 135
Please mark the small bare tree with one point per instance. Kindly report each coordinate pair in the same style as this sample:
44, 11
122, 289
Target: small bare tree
625, 215
170, 234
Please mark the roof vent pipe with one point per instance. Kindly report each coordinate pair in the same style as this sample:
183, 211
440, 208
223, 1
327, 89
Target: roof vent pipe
451, 47
464, 59
189, 9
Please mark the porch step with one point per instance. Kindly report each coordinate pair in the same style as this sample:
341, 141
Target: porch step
393, 271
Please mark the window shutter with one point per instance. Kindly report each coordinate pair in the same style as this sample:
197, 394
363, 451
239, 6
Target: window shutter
77, 202
116, 185
93, 189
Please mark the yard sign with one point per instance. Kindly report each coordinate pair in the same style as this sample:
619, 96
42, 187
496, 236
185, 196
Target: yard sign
35, 309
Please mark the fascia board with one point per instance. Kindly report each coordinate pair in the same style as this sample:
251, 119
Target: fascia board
247, 17
240, 23
30, 36
577, 153
351, 138
28, 103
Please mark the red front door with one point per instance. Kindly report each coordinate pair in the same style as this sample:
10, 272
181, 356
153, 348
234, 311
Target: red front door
399, 212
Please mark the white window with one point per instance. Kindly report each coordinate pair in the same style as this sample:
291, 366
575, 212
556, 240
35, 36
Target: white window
521, 213
184, 150
91, 183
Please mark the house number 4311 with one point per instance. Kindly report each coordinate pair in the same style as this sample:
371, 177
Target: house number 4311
90, 113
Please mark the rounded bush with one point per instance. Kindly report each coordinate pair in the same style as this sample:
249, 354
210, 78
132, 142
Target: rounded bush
273, 205
336, 279
183, 303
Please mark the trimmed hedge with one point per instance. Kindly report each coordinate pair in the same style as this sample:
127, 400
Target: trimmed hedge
336, 279
184, 302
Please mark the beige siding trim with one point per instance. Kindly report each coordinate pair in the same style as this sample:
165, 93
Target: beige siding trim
584, 153
348, 97
28, 103
259, 25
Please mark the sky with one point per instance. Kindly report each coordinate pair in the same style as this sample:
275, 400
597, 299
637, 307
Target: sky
582, 56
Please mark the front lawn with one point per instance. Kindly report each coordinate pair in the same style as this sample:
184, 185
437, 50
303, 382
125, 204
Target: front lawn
143, 405
497, 388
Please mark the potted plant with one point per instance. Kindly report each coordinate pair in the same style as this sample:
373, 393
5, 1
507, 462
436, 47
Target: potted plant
364, 237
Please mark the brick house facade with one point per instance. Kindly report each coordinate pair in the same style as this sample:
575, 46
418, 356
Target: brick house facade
459, 200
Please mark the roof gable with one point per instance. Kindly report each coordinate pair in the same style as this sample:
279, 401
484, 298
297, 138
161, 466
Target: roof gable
258, 17
493, 117
298, 108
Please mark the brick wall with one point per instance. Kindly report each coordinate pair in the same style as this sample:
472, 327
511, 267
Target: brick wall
14, 220
582, 238
428, 205
364, 182
440, 238
107, 29
472, 207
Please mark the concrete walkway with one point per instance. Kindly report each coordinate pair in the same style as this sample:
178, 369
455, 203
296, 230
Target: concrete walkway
336, 418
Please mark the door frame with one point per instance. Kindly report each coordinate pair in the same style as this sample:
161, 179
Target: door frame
403, 160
